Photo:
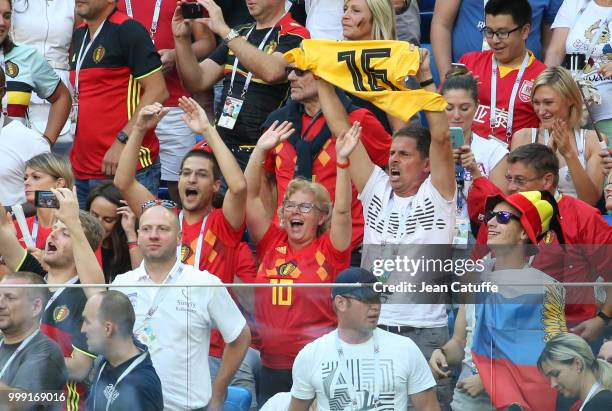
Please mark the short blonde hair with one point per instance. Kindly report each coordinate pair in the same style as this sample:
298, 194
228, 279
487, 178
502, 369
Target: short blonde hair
54, 165
560, 80
322, 200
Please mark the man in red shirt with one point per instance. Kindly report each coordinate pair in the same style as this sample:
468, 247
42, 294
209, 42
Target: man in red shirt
310, 152
175, 138
506, 72
587, 236
115, 70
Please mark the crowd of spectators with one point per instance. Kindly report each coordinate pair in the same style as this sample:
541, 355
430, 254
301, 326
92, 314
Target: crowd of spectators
210, 199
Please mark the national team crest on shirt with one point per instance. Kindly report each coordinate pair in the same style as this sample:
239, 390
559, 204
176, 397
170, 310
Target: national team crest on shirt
525, 92
186, 252
12, 69
60, 313
98, 54
286, 269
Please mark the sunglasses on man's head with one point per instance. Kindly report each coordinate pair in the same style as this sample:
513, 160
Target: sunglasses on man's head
502, 217
164, 203
298, 72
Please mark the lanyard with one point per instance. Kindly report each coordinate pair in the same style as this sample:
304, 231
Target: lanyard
347, 376
153, 29
59, 291
591, 393
401, 216
81, 57
161, 293
198, 252
515, 88
250, 75
129, 369
17, 351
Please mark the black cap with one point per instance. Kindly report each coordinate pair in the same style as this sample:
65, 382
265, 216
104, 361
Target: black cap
354, 275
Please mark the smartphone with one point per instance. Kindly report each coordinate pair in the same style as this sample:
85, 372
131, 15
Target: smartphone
193, 11
457, 137
45, 199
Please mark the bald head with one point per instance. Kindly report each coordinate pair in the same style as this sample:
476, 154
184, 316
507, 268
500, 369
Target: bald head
159, 235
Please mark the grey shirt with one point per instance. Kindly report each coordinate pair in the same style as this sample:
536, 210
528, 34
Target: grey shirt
39, 366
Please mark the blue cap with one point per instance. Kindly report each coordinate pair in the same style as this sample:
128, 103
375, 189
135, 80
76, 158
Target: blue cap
355, 275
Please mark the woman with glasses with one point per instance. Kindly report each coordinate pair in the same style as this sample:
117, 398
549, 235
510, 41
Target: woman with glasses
119, 250
581, 32
557, 102
43, 172
311, 245
573, 370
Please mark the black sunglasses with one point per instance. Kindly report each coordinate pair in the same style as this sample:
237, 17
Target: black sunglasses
502, 217
164, 203
298, 72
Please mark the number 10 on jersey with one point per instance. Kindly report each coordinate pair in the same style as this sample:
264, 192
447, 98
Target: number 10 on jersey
281, 295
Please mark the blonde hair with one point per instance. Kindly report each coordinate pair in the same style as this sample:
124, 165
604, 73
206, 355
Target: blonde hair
566, 347
54, 165
322, 200
560, 80
383, 19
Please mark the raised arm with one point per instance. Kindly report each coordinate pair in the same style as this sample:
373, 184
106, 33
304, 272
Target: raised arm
134, 193
555, 53
87, 266
10, 250
442, 24
341, 222
441, 161
268, 67
194, 76
235, 198
258, 220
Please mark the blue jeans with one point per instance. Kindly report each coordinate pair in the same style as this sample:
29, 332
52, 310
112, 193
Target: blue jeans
148, 177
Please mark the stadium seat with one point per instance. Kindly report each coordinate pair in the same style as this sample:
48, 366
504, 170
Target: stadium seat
238, 399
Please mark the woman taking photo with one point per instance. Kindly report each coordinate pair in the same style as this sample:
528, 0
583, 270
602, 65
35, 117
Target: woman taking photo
119, 250
557, 102
479, 156
311, 245
573, 370
43, 172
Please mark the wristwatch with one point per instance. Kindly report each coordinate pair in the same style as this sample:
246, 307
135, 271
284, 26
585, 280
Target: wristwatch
230, 36
604, 317
122, 137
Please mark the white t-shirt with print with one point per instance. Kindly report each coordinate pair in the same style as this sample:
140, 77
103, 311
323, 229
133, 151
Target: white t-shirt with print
425, 218
402, 371
178, 333
579, 39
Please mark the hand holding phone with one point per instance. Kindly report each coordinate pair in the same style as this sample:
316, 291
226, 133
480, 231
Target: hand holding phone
45, 199
457, 137
193, 11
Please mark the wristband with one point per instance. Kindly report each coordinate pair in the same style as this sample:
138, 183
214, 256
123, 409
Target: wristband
344, 165
426, 83
48, 140
132, 244
604, 317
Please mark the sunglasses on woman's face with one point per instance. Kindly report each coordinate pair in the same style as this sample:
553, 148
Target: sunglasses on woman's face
502, 217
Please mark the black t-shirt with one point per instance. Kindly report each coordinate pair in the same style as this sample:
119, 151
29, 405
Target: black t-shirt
39, 366
261, 98
602, 401
140, 389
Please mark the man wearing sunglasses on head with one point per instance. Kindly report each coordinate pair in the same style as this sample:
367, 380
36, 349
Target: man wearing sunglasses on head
319, 114
588, 237
210, 236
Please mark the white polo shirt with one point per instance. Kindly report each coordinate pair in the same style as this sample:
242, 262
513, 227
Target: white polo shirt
178, 331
